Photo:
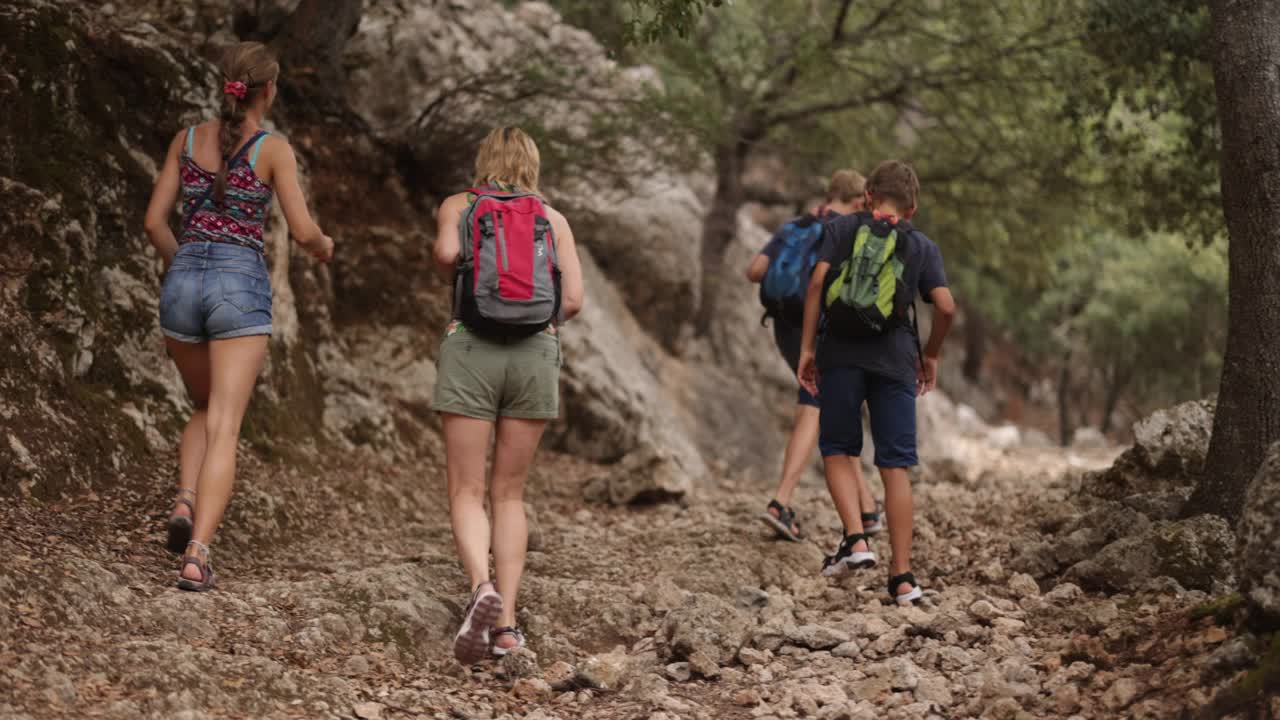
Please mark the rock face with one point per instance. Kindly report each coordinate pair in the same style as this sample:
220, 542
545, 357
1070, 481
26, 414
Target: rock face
1259, 540
352, 360
78, 295
410, 56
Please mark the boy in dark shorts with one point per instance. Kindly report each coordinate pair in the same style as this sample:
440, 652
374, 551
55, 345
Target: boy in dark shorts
875, 358
845, 194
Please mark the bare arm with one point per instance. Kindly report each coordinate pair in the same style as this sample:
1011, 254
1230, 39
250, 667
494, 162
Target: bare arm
572, 290
448, 244
163, 196
807, 372
283, 174
758, 267
944, 311
813, 307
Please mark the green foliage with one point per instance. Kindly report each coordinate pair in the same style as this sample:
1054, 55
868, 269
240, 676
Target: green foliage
621, 25
1145, 313
1151, 115
653, 20
1222, 609
968, 91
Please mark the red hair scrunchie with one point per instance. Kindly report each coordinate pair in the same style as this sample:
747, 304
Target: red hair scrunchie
236, 88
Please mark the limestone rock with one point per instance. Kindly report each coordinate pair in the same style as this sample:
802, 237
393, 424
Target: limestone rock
642, 476
604, 672
1169, 449
520, 663
1258, 543
704, 624
1197, 552
1177, 436
817, 637
703, 665
532, 689
1023, 585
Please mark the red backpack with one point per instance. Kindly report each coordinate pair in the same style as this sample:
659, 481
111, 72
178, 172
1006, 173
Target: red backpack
508, 283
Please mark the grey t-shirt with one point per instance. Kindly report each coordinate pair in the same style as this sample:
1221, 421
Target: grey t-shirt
893, 354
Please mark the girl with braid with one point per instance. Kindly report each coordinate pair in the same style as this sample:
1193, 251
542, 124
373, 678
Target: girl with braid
215, 305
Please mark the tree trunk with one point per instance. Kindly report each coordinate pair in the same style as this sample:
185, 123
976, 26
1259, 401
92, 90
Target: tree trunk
1064, 409
310, 45
720, 228
975, 343
1246, 52
1115, 386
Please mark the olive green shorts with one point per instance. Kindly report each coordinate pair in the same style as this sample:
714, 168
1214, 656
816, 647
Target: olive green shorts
487, 379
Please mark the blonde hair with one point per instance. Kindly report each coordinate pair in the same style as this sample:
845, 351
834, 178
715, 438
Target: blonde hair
254, 65
508, 156
845, 186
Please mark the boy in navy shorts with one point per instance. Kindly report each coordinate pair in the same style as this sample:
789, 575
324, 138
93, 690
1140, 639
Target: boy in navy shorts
846, 193
871, 265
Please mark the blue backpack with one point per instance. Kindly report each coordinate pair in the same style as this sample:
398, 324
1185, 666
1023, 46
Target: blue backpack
782, 291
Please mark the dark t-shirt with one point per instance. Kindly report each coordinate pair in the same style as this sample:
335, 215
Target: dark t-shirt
893, 354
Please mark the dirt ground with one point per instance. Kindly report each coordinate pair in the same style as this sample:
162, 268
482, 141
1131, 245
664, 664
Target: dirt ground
340, 592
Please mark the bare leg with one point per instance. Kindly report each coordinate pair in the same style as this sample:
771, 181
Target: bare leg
865, 498
235, 364
804, 438
842, 482
192, 360
517, 442
898, 505
465, 441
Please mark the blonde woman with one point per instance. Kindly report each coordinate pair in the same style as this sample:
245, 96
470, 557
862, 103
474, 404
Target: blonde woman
215, 305
516, 277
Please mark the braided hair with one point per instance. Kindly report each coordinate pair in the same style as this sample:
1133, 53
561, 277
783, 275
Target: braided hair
247, 68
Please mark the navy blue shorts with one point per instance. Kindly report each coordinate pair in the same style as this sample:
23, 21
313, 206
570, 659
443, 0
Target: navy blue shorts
215, 291
892, 404
788, 339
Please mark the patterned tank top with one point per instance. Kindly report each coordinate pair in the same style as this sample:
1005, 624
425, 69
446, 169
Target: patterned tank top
242, 219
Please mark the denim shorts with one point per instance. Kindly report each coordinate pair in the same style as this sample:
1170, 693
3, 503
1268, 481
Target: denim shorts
890, 402
215, 291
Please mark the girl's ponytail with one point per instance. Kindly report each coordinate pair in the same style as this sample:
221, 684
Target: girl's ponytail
247, 67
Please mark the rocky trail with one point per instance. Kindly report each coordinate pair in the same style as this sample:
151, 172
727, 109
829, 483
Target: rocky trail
1059, 584
665, 610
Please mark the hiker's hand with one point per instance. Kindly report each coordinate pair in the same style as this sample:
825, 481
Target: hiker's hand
807, 373
323, 250
927, 375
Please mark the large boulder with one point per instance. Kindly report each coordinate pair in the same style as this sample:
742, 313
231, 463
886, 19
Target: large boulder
1259, 541
1197, 552
1168, 451
611, 385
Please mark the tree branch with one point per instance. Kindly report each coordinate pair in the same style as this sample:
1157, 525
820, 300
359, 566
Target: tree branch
893, 96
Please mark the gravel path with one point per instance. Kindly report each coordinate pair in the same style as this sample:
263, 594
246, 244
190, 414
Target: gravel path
339, 600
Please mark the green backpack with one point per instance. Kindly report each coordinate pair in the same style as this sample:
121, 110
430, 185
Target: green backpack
868, 296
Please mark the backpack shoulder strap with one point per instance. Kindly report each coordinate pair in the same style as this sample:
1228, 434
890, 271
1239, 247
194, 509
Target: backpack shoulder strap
257, 146
204, 198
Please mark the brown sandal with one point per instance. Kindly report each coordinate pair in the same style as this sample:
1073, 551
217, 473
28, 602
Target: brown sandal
179, 527
207, 578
